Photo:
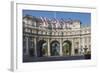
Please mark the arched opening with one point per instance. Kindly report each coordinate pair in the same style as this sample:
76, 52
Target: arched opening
55, 48
66, 48
42, 48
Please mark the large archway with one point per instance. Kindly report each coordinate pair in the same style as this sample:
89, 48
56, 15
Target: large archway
42, 48
66, 48
55, 48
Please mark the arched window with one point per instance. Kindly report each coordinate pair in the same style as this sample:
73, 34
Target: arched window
49, 26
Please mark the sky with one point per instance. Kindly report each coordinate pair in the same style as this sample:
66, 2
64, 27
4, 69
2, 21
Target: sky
85, 18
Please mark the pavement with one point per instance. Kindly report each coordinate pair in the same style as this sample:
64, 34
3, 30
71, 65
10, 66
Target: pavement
52, 58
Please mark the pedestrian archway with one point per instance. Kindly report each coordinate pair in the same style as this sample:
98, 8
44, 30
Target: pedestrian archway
55, 48
66, 48
42, 48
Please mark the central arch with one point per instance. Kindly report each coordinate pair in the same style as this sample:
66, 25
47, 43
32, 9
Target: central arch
42, 48
66, 48
55, 48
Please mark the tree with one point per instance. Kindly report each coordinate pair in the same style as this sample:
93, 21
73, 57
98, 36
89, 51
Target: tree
65, 49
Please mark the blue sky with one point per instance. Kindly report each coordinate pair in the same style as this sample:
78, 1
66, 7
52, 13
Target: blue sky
85, 18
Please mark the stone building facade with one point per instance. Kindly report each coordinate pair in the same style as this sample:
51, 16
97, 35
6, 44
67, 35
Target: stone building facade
55, 37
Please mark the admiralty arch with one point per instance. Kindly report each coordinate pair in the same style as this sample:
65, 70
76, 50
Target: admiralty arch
53, 37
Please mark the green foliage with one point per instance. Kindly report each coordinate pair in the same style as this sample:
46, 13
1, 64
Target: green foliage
65, 49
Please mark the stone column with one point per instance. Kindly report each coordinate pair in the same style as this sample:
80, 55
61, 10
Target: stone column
61, 52
35, 46
72, 49
83, 43
49, 47
87, 44
27, 47
79, 47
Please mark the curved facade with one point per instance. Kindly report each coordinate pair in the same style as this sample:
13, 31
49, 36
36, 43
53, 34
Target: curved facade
54, 37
